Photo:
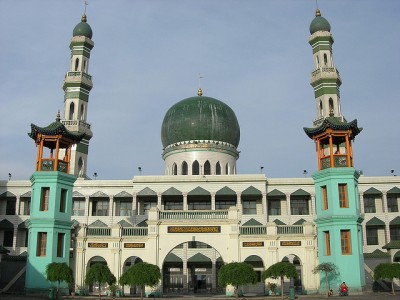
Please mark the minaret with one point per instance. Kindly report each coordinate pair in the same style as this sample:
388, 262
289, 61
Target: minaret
77, 85
51, 208
336, 181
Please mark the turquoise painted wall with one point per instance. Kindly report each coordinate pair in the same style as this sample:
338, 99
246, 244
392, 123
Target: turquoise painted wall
333, 220
52, 222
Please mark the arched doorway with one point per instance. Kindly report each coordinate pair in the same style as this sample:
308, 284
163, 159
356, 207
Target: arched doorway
297, 283
129, 262
258, 265
95, 288
191, 267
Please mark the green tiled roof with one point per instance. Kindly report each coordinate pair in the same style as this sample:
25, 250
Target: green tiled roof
395, 190
278, 222
300, 193
392, 245
23, 225
299, 222
376, 254
199, 191
395, 221
275, 193
147, 192
3, 250
99, 194
124, 223
98, 223
5, 224
372, 191
251, 191
172, 258
7, 195
55, 128
123, 194
198, 257
252, 222
334, 123
172, 192
225, 191
375, 222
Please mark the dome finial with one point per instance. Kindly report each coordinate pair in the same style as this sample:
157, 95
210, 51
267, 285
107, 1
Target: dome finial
84, 19
200, 91
317, 13
58, 117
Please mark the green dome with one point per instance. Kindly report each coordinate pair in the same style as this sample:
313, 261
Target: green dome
319, 23
83, 29
200, 118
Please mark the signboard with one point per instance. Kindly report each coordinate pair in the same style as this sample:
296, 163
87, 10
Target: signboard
98, 245
194, 229
253, 244
134, 245
290, 243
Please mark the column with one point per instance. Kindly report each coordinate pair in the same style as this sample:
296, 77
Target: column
313, 212
159, 201
134, 205
17, 204
185, 206
384, 202
87, 204
362, 203
264, 203
111, 206
212, 201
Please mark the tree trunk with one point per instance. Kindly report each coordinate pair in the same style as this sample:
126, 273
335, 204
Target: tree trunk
282, 287
99, 291
141, 292
393, 286
326, 284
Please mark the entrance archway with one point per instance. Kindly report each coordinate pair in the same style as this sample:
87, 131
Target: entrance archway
191, 267
129, 262
297, 283
95, 288
258, 265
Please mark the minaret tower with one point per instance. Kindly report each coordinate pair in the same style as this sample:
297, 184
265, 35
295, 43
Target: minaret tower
51, 208
77, 85
336, 181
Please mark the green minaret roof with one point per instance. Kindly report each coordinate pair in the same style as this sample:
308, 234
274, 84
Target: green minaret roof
334, 123
319, 23
200, 118
83, 29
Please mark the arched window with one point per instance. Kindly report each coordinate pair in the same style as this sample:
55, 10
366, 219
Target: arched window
174, 169
321, 111
184, 168
76, 64
195, 168
84, 66
207, 168
218, 169
317, 60
80, 167
82, 112
71, 111
325, 59
331, 107
227, 168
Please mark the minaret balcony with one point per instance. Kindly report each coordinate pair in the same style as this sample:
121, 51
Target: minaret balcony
77, 126
325, 73
77, 76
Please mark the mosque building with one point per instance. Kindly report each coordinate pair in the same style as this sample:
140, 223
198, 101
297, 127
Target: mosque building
201, 213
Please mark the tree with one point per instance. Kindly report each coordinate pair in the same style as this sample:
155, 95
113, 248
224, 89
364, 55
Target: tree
326, 268
280, 270
99, 273
59, 272
387, 271
236, 274
141, 274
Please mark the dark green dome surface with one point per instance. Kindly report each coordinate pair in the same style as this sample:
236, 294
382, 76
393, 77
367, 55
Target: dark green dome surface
200, 118
83, 29
319, 24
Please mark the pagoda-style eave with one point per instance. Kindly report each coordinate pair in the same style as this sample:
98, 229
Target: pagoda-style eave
332, 125
54, 131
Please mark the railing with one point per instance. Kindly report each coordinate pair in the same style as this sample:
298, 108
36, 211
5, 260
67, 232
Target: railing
253, 230
190, 215
48, 165
338, 161
289, 229
134, 231
324, 70
75, 123
79, 74
99, 231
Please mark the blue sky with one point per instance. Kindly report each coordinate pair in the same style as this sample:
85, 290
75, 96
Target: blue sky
253, 54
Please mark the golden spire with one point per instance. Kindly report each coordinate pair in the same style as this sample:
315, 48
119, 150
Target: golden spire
58, 117
200, 92
84, 19
317, 13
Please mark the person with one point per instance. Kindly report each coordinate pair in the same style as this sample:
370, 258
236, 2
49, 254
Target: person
330, 293
343, 290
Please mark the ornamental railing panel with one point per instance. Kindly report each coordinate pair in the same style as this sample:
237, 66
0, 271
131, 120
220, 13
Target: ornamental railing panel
253, 230
289, 229
134, 231
98, 231
190, 215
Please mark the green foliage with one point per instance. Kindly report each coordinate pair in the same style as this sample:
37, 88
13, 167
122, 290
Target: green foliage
387, 271
58, 272
99, 273
280, 270
141, 274
236, 273
326, 268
